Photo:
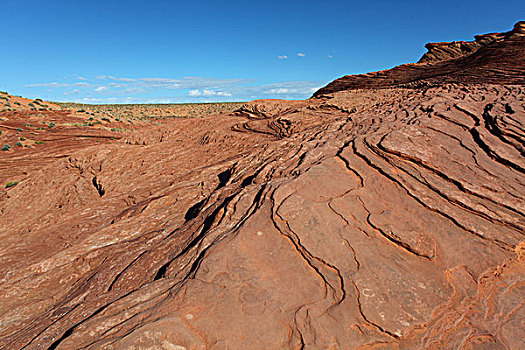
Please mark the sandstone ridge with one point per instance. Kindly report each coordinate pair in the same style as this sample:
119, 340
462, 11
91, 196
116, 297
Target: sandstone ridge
497, 58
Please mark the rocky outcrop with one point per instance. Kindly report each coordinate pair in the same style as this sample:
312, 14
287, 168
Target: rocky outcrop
446, 51
367, 219
493, 58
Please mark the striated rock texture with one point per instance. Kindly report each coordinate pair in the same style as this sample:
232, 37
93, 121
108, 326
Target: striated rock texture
493, 58
362, 219
446, 51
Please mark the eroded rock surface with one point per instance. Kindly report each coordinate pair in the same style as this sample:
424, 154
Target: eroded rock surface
365, 219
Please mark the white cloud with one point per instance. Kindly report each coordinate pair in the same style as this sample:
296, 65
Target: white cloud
81, 78
330, 56
57, 85
53, 84
301, 54
185, 89
283, 57
206, 92
279, 91
291, 89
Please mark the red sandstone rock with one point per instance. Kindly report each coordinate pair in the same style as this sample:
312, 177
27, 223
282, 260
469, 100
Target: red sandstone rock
362, 219
498, 60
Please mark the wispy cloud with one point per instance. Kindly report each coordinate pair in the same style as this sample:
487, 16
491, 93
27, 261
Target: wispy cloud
206, 92
112, 89
283, 57
56, 85
301, 54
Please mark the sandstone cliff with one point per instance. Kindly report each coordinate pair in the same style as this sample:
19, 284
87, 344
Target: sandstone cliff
492, 58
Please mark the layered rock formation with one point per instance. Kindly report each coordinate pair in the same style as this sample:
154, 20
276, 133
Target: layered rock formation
361, 219
492, 58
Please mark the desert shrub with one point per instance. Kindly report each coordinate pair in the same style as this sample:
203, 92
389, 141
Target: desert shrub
19, 129
51, 125
39, 142
11, 184
6, 147
22, 138
18, 144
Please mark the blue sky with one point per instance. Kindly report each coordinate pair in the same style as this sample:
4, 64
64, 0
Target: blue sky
192, 51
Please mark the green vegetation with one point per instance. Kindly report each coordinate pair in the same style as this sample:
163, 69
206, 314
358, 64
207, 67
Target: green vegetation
20, 130
18, 144
130, 113
11, 184
51, 125
6, 147
39, 142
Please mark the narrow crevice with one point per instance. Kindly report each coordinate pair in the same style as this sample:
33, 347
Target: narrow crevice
360, 308
499, 244
98, 186
393, 238
117, 277
489, 152
194, 210
207, 224
71, 329
224, 177
454, 182
492, 127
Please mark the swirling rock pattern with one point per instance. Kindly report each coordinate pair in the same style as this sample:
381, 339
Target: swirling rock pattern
385, 218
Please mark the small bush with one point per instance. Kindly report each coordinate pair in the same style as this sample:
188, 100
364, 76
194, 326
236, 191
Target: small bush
39, 142
20, 130
6, 147
51, 125
11, 184
18, 144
